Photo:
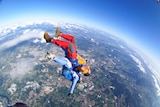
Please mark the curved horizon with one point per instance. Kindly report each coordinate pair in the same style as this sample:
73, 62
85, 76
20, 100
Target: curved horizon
135, 21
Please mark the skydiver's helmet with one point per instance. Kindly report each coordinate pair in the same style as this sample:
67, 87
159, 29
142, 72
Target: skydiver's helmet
85, 70
19, 104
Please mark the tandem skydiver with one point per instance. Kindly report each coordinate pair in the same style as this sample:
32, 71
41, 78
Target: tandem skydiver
79, 64
73, 64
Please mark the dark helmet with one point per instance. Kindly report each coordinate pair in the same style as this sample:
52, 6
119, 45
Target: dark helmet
20, 104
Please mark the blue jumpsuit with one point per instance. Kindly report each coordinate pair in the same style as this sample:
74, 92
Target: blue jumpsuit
67, 71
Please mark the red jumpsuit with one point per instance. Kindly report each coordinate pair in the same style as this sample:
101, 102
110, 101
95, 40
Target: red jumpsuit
68, 46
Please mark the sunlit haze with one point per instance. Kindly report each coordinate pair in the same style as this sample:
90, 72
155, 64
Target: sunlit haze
137, 21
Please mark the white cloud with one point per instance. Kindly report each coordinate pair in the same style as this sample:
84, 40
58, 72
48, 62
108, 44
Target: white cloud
21, 67
121, 46
32, 84
39, 40
139, 64
93, 40
36, 41
13, 88
26, 31
27, 34
156, 85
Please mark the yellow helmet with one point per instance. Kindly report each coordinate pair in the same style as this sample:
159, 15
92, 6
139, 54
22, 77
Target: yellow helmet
85, 69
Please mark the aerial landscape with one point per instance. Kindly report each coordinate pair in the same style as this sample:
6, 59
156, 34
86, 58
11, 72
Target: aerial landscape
124, 73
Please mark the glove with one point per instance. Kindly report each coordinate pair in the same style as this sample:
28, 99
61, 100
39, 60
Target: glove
69, 94
47, 37
49, 56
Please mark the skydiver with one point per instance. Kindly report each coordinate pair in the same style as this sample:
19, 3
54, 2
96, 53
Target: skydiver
70, 49
66, 70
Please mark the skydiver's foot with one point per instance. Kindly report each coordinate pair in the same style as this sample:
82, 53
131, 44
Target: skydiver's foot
47, 37
57, 33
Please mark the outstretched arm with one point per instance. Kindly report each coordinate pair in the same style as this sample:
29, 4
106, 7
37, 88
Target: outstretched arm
74, 82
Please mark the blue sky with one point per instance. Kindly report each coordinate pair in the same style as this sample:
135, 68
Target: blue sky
135, 20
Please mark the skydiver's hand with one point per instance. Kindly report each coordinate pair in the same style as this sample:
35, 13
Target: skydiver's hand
69, 94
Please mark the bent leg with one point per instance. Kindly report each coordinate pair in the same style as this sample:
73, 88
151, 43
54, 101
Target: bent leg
71, 48
68, 47
72, 53
60, 43
68, 37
